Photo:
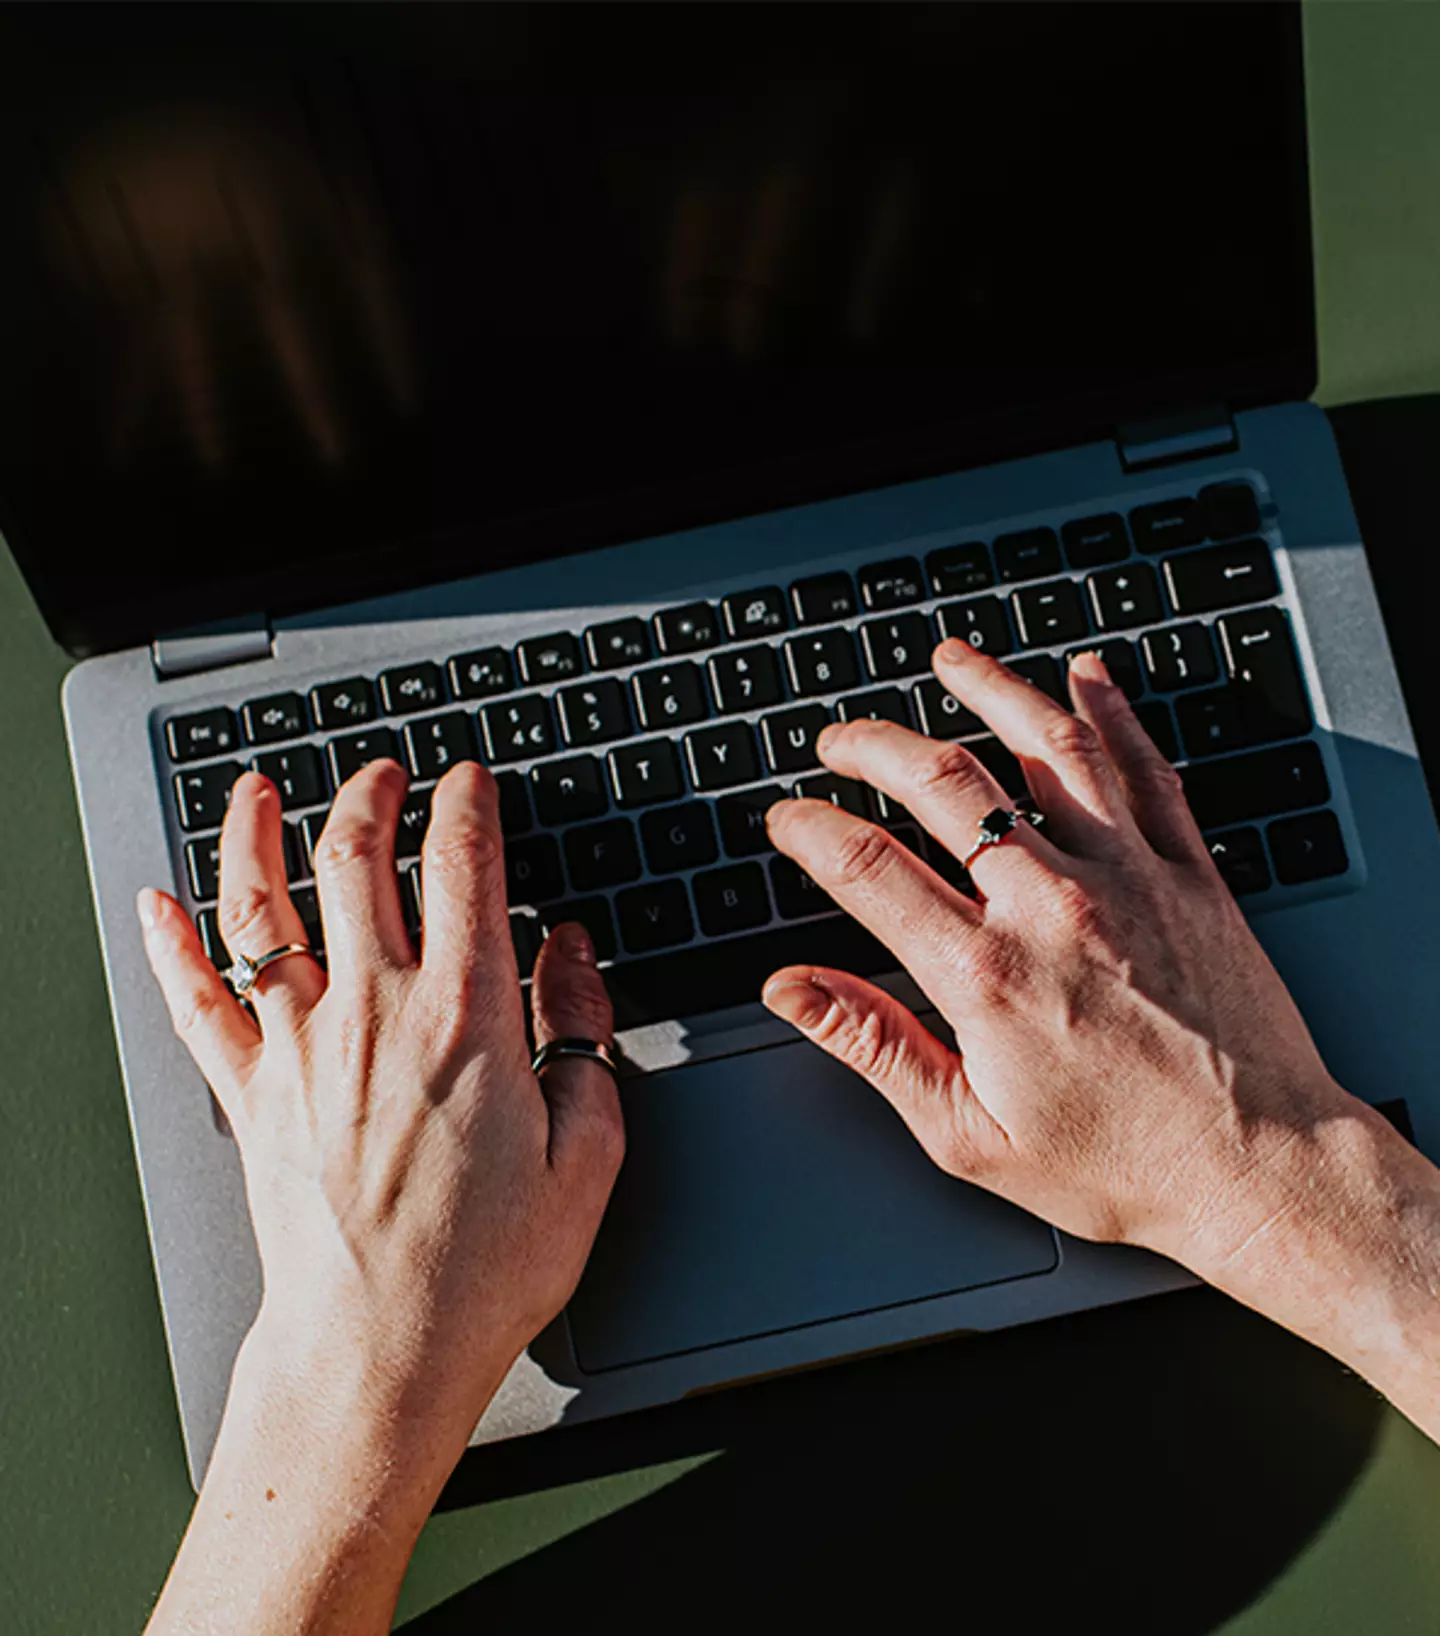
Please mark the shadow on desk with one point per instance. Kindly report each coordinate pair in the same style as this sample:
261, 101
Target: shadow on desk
1147, 1468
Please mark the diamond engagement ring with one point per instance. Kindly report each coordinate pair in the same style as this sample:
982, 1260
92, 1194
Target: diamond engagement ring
996, 825
245, 973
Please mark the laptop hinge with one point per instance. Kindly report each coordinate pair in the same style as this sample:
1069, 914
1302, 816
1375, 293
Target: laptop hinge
212, 647
1170, 439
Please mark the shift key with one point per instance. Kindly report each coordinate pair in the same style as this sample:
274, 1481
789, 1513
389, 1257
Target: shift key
1239, 788
1220, 576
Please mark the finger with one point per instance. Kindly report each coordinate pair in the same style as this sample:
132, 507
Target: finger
256, 914
207, 1017
355, 875
570, 1002
1151, 785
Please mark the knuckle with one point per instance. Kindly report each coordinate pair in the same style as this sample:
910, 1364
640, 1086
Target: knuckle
1067, 738
1078, 908
355, 839
465, 845
865, 856
996, 972
580, 1009
242, 909
950, 770
197, 1013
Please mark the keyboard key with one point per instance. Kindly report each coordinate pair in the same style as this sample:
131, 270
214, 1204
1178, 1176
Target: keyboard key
1256, 785
526, 937
897, 647
819, 600
746, 679
957, 569
891, 584
1033, 553
1091, 542
981, 622
482, 674
754, 613
343, 704
1121, 661
790, 737
1000, 762
1045, 614
306, 903
823, 663
517, 731
879, 704
272, 719
549, 658
1261, 660
412, 908
1307, 848
1180, 656
646, 772
297, 773
1230, 510
207, 733
732, 899
796, 894
593, 712
409, 688
742, 820
569, 791
312, 826
621, 642
602, 854
297, 866
414, 821
1239, 855
203, 795
1125, 597
1220, 576
207, 923
679, 838
437, 743
684, 630
942, 715
722, 756
514, 804
846, 793
1168, 525
1154, 717
532, 869
202, 865
593, 914
1045, 672
348, 755
947, 866
670, 696
654, 916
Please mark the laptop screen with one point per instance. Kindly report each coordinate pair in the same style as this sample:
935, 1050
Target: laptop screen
302, 302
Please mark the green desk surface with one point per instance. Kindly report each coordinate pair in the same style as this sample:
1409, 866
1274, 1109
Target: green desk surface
1178, 1466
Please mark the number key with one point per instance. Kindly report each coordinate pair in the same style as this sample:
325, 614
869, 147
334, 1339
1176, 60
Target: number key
670, 696
823, 663
349, 755
897, 647
980, 621
746, 679
297, 773
592, 712
438, 742
517, 731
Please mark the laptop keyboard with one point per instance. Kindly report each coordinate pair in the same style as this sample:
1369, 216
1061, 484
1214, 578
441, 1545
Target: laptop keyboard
636, 758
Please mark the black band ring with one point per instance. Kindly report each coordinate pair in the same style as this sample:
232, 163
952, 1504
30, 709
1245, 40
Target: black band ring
591, 1050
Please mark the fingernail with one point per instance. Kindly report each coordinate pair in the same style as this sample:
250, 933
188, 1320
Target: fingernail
952, 650
147, 903
1097, 665
800, 1004
778, 807
575, 944
828, 735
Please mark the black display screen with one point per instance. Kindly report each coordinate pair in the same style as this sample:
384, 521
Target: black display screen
298, 302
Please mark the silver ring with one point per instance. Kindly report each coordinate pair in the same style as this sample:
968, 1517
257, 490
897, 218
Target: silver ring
590, 1050
997, 824
244, 974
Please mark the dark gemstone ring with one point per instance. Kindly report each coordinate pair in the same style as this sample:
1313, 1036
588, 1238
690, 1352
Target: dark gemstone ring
997, 824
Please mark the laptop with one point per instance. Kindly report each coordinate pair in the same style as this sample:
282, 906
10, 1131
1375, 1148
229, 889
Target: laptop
616, 396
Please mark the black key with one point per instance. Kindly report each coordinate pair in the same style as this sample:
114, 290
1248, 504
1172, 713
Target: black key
207, 923
879, 704
684, 630
1033, 553
742, 820
348, 755
722, 756
203, 795
297, 773
482, 674
1245, 787
437, 743
1212, 722
846, 793
1239, 855
1220, 576
280, 716
312, 826
825, 597
1051, 613
947, 866
1154, 716
646, 772
593, 914
942, 715
1307, 848
412, 908
1046, 674
343, 704
602, 854
1179, 656
956, 569
202, 864
823, 663
514, 804
1121, 661
517, 731
1168, 525
549, 658
654, 916
981, 622
414, 821
670, 696
891, 584
593, 712
525, 938
409, 688
621, 642
1091, 542
1230, 510
569, 791
755, 613
1262, 663
790, 737
297, 865
1000, 762
1125, 597
796, 894
307, 906
897, 647
679, 838
207, 733
532, 869
732, 899
747, 679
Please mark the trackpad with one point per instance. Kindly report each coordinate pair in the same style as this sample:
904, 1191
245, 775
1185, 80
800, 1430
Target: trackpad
775, 1189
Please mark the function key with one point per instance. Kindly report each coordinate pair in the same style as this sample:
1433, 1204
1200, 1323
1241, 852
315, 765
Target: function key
1307, 848
349, 755
670, 696
817, 601
202, 796
1124, 597
207, 733
742, 820
1231, 510
1051, 613
1168, 525
592, 712
1239, 855
646, 772
298, 774
621, 642
343, 704
1179, 656
981, 622
1033, 553
550, 658
517, 731
654, 916
683, 630
481, 674
897, 647
1120, 661
280, 716
412, 687
755, 613
1091, 542
437, 743
891, 584
746, 679
956, 569
823, 663
1220, 576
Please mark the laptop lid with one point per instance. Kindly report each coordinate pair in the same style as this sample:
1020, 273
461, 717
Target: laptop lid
304, 303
